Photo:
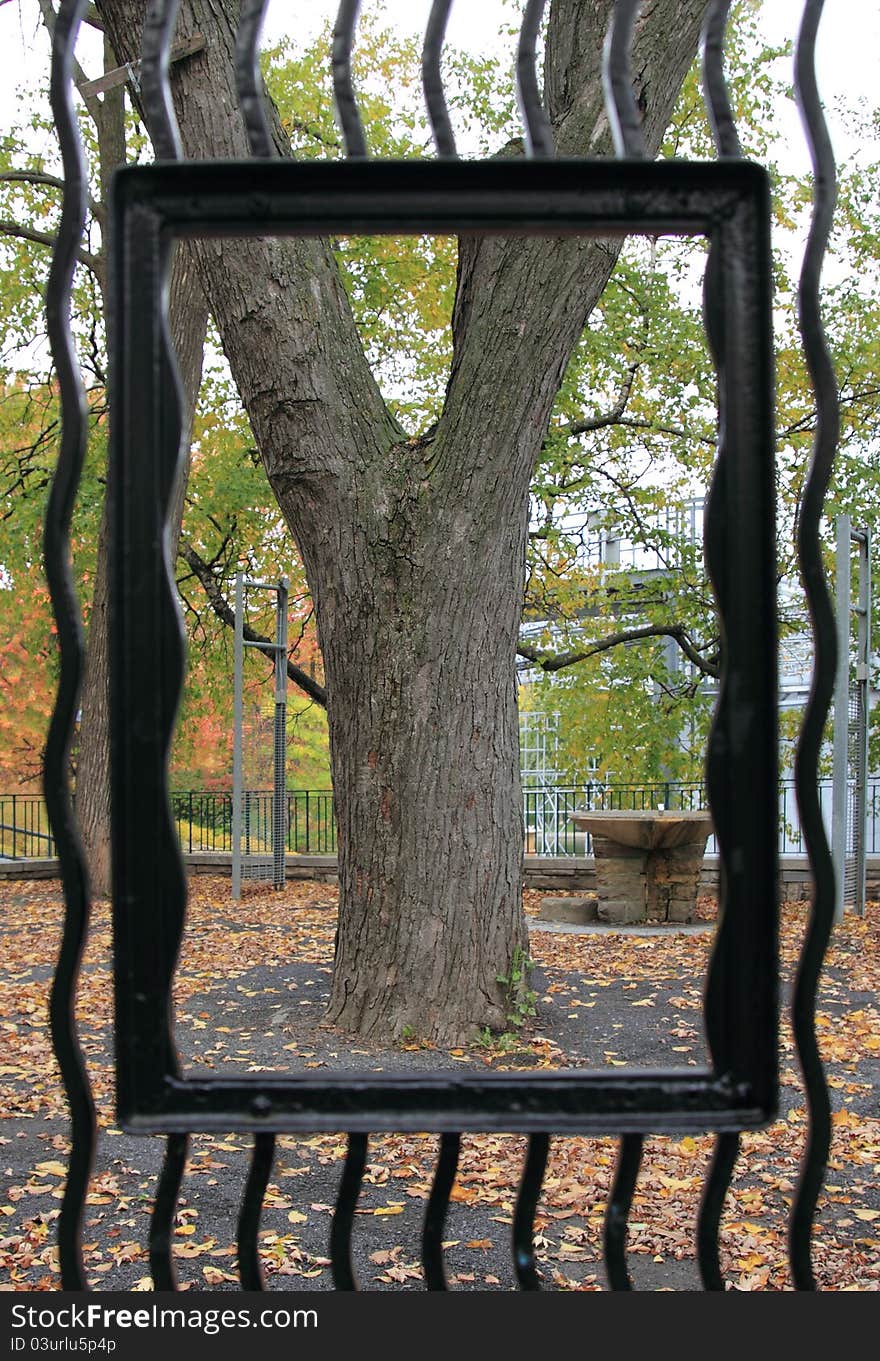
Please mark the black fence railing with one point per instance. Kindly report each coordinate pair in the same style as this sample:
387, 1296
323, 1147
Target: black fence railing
204, 821
204, 818
549, 831
25, 833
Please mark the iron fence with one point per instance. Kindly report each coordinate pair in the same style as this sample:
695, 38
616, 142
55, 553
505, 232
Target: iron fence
204, 821
728, 202
25, 833
204, 818
549, 831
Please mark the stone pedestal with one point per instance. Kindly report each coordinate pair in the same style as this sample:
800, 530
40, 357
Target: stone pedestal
673, 880
621, 880
648, 863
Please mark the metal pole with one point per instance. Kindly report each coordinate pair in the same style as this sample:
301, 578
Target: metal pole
841, 715
237, 721
863, 670
279, 805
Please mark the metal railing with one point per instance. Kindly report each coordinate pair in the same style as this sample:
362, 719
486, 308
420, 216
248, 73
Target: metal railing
204, 821
204, 818
547, 810
25, 833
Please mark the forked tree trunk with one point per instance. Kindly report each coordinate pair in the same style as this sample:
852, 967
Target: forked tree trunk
414, 549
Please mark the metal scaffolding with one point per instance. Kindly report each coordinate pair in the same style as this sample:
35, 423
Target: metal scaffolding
851, 705
261, 863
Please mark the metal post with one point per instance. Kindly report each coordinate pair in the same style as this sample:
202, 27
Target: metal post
863, 676
279, 803
237, 721
841, 715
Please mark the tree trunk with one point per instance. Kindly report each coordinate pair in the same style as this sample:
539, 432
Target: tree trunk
419, 642
414, 549
188, 318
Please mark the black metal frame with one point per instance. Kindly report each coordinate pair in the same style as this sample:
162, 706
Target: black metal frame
728, 203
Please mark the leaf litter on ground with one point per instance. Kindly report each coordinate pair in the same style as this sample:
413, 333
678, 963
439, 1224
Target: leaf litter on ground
248, 997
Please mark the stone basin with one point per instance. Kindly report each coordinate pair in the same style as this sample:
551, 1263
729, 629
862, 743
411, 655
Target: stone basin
649, 829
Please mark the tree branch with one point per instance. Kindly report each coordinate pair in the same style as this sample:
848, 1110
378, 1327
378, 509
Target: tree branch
224, 612
634, 423
16, 229
32, 177
611, 417
560, 661
50, 181
47, 10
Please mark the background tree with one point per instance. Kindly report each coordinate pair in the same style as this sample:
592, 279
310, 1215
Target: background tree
631, 444
25, 179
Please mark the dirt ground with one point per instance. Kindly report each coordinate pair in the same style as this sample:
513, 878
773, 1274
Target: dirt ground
249, 995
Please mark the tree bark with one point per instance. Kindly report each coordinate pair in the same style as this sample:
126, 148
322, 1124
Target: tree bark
415, 549
188, 318
419, 617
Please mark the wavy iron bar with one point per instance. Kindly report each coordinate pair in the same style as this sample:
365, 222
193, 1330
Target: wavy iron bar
825, 653
65, 607
249, 1268
718, 1180
435, 1213
726, 1148
249, 81
164, 1209
347, 111
538, 132
524, 1213
432, 78
718, 972
617, 1214
343, 1215
715, 94
620, 101
161, 120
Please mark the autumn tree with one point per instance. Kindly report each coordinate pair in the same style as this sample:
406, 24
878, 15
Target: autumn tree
33, 196
414, 547
29, 197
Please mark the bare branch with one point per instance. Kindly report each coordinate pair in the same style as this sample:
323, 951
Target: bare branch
47, 9
224, 612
